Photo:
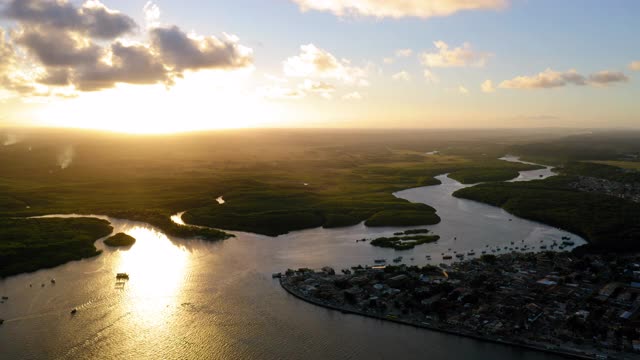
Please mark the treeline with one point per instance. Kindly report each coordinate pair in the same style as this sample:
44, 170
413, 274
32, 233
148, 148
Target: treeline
607, 222
31, 244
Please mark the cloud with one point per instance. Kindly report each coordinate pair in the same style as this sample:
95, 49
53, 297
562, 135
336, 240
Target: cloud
404, 52
191, 52
151, 14
398, 8
352, 96
54, 47
606, 77
133, 64
462, 90
93, 18
487, 86
430, 76
388, 60
545, 80
635, 66
462, 56
319, 87
553, 79
313, 62
57, 48
401, 76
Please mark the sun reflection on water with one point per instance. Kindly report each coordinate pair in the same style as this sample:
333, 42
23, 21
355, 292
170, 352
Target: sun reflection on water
157, 269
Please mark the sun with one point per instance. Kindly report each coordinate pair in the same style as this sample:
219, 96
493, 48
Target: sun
199, 101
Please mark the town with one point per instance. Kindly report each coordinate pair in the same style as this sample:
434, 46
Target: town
585, 306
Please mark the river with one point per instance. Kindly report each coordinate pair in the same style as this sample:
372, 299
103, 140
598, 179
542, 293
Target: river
189, 299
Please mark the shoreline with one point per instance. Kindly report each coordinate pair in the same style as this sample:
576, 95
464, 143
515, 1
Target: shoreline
564, 353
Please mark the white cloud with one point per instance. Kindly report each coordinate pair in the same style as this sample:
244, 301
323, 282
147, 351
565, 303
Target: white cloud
462, 90
404, 52
430, 76
401, 76
462, 56
635, 66
487, 86
319, 87
353, 96
553, 79
314, 62
151, 14
388, 60
399, 8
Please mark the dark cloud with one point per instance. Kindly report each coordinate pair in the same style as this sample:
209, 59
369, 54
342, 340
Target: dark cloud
129, 64
56, 77
607, 77
552, 79
58, 47
183, 52
93, 18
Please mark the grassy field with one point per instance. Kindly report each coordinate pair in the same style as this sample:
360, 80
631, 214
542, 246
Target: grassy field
32, 244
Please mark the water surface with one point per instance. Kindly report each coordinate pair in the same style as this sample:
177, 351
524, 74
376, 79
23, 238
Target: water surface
201, 300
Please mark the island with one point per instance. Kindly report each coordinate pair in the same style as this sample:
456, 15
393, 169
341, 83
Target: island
582, 306
405, 240
120, 240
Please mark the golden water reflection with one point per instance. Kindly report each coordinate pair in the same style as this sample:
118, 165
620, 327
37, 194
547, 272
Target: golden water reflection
157, 269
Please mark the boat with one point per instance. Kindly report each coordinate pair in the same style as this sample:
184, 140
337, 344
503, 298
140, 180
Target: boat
447, 257
74, 311
398, 259
484, 252
1, 321
460, 256
380, 261
53, 281
276, 275
5, 298
471, 253
543, 247
123, 276
568, 243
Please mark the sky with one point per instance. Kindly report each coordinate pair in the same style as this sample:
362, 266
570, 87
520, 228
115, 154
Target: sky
162, 66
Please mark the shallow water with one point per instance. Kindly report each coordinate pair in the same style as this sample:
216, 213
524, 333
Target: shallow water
194, 299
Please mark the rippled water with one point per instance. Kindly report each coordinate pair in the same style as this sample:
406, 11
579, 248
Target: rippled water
193, 299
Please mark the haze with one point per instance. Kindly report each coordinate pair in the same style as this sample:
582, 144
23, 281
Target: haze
166, 66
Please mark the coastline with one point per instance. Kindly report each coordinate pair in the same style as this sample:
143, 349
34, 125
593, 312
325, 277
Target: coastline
560, 352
